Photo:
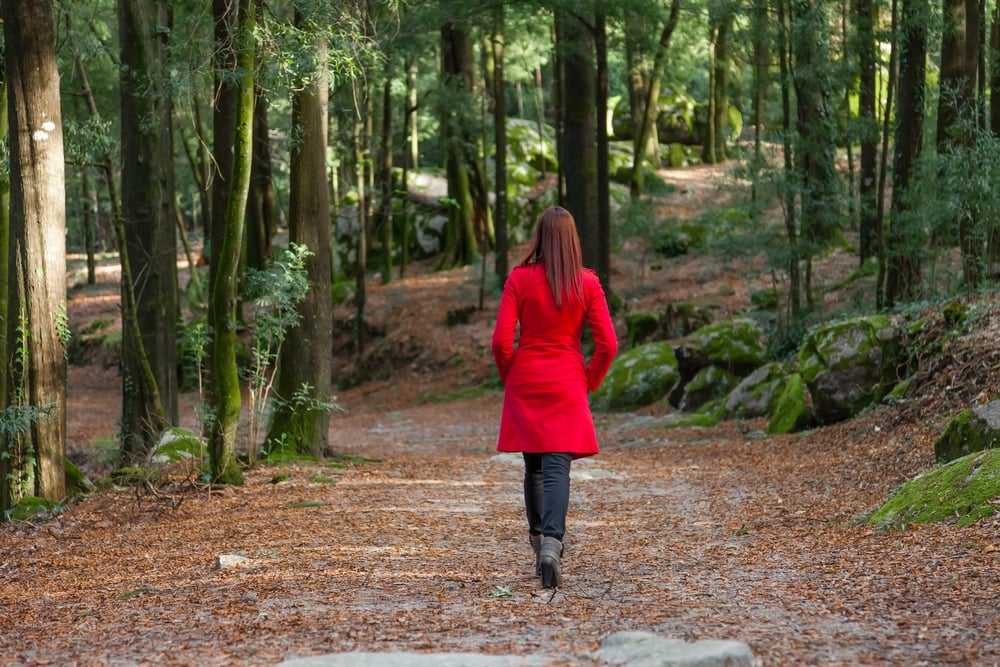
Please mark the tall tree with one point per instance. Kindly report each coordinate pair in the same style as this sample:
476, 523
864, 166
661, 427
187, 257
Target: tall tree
149, 346
721, 16
905, 238
461, 246
500, 142
237, 72
300, 420
649, 109
815, 129
579, 148
864, 43
32, 463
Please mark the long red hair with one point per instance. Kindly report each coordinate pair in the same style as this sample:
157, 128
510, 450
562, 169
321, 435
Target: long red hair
556, 246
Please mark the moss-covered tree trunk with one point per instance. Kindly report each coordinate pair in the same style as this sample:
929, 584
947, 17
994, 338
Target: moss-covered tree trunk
149, 345
226, 250
33, 463
304, 366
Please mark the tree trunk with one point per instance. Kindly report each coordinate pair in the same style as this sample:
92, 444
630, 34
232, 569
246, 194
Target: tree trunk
603, 156
461, 247
304, 364
4, 263
260, 226
639, 73
652, 94
361, 250
226, 250
385, 215
580, 129
500, 140
790, 209
952, 102
867, 188
816, 133
32, 463
905, 238
149, 404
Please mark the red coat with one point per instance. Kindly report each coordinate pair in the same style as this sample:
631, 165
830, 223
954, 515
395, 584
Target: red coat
546, 378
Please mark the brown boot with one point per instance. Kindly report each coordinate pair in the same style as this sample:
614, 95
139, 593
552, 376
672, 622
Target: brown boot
536, 546
548, 558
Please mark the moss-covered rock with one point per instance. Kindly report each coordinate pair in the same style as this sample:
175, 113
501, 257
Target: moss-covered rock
638, 377
849, 365
178, 444
971, 430
757, 394
641, 327
738, 345
961, 490
711, 383
33, 508
77, 483
791, 411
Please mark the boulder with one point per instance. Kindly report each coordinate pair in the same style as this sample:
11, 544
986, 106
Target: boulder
638, 377
757, 394
963, 491
710, 384
849, 365
791, 411
738, 345
650, 650
971, 430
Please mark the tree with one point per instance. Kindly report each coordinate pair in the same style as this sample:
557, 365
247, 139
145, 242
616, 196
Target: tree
300, 420
869, 131
815, 129
149, 343
500, 142
32, 461
905, 238
227, 232
579, 148
650, 108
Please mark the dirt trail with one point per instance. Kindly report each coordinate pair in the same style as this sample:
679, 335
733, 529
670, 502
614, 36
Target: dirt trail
690, 533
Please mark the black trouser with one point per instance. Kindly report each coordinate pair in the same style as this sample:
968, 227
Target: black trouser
546, 492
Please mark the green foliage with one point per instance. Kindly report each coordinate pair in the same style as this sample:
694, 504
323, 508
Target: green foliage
274, 294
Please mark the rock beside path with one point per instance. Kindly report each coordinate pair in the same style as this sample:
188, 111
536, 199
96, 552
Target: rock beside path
621, 649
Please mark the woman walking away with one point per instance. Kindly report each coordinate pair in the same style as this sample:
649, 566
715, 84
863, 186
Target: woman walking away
546, 414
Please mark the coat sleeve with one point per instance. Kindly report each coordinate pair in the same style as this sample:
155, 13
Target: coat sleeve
603, 330
503, 333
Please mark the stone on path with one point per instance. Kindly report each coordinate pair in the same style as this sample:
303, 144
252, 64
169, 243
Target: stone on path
621, 649
413, 660
644, 649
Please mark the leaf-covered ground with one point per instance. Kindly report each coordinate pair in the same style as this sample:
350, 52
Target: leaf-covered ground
415, 540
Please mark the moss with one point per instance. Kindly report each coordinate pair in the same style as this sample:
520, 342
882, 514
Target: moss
736, 344
960, 491
33, 508
790, 412
638, 377
967, 432
77, 483
641, 327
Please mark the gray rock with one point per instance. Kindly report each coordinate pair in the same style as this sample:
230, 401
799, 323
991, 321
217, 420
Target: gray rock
644, 649
229, 560
412, 660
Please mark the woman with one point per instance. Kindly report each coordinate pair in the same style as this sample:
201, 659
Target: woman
546, 414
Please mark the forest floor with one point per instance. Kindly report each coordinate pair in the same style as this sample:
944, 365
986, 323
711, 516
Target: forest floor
412, 537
